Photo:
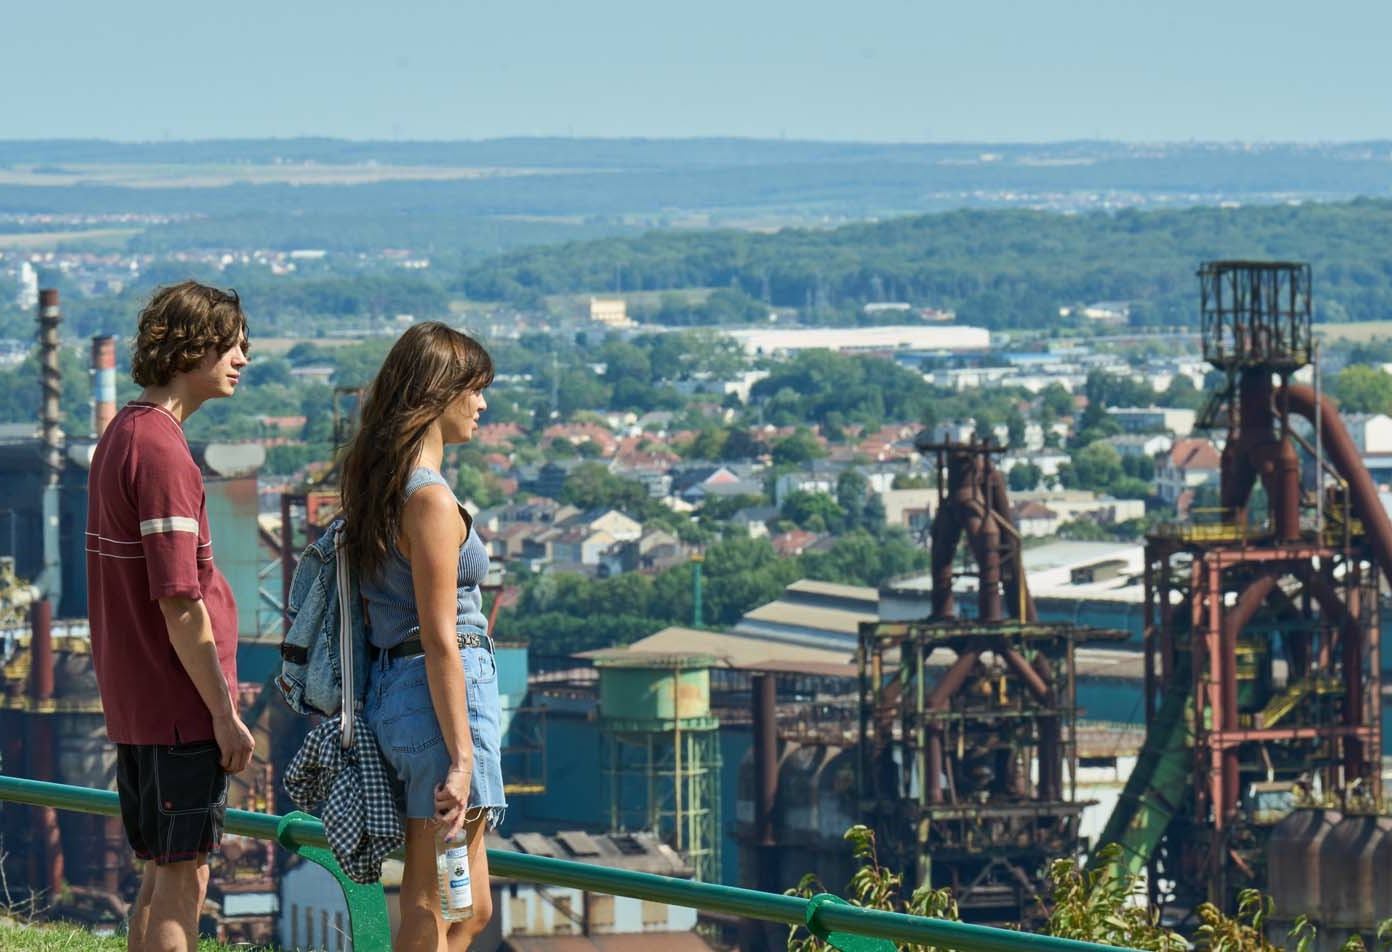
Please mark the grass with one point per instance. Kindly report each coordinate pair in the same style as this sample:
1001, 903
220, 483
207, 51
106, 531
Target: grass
43, 240
1361, 331
16, 936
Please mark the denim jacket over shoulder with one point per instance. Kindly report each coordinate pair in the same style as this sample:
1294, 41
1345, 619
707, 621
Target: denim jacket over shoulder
312, 673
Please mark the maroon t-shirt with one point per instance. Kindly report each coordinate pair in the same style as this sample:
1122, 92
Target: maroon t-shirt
147, 539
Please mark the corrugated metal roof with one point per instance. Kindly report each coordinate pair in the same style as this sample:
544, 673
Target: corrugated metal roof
814, 617
740, 651
858, 593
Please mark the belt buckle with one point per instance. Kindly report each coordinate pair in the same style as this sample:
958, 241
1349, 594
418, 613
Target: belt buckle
472, 639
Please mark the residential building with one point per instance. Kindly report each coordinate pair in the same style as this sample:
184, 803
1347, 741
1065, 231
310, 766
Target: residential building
910, 509
1174, 420
1130, 445
615, 523
611, 312
764, 341
1034, 519
1189, 464
1371, 432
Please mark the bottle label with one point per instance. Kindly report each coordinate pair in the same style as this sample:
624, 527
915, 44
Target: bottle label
457, 871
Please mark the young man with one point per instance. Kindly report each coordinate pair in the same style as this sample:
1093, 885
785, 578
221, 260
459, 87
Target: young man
164, 625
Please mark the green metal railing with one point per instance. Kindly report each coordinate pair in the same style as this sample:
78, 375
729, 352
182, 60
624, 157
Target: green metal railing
845, 927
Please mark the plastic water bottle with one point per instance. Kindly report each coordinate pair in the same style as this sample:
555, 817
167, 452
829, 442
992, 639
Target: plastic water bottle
452, 870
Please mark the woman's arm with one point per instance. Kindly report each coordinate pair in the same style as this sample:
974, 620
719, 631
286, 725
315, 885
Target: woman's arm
432, 532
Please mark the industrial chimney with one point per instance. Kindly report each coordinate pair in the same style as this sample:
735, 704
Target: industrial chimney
51, 581
103, 383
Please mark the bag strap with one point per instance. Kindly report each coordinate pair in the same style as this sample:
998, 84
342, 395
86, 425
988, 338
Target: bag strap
347, 710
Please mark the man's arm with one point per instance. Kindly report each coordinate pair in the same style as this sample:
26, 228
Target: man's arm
191, 634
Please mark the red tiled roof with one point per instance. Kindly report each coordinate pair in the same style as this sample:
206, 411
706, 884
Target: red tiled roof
1194, 453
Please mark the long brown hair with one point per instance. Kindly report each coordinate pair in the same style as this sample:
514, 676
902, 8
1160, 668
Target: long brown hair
428, 368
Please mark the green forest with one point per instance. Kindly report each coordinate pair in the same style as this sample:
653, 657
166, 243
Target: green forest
1000, 269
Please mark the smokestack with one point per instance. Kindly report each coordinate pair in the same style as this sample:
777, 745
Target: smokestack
103, 383
47, 858
765, 699
51, 581
41, 652
757, 936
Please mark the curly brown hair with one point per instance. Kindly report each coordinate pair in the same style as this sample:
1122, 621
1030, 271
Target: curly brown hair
427, 369
180, 326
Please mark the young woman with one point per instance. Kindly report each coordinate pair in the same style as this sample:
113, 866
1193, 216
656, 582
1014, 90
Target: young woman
432, 689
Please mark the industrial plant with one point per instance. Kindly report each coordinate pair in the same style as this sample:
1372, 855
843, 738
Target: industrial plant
962, 716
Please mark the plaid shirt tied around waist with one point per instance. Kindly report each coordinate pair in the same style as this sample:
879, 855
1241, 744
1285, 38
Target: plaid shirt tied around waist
359, 813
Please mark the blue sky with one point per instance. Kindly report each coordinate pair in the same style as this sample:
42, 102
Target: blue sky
882, 70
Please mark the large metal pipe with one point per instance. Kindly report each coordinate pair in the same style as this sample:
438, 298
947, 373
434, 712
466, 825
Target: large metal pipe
46, 858
1247, 604
1255, 451
1050, 737
41, 651
50, 317
945, 535
938, 701
1022, 670
103, 383
986, 542
1018, 600
764, 691
1352, 644
1344, 456
755, 935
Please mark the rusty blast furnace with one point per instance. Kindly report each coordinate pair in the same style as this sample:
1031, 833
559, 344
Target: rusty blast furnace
969, 759
1261, 616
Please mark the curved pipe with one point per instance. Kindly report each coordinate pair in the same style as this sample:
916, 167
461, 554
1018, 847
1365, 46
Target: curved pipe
1344, 455
1248, 602
1351, 643
1012, 569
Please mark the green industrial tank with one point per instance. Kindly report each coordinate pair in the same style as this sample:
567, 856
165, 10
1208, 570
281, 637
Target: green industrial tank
653, 692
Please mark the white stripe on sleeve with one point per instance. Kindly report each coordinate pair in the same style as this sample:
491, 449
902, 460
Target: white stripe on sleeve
169, 524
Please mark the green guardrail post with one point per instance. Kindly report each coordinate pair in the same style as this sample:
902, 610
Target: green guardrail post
367, 905
844, 941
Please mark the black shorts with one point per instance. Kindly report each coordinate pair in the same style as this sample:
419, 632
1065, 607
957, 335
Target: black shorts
173, 799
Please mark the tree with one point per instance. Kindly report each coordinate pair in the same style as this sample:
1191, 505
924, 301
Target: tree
798, 447
1055, 401
852, 493
1182, 393
709, 443
815, 512
268, 371
592, 486
1024, 476
1096, 467
861, 558
740, 444
1362, 389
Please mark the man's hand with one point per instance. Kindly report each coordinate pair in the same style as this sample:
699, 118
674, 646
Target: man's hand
234, 741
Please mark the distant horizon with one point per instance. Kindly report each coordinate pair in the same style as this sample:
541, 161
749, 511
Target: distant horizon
782, 140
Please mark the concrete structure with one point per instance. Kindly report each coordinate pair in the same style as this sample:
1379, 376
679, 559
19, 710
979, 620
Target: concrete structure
1180, 422
1371, 432
611, 312
766, 341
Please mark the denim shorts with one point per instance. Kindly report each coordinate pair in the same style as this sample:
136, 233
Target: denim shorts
403, 720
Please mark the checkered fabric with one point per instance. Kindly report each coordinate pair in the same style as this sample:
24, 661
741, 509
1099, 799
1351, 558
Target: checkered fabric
358, 811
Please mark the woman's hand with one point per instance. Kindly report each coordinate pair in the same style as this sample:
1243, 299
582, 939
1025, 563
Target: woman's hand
452, 799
